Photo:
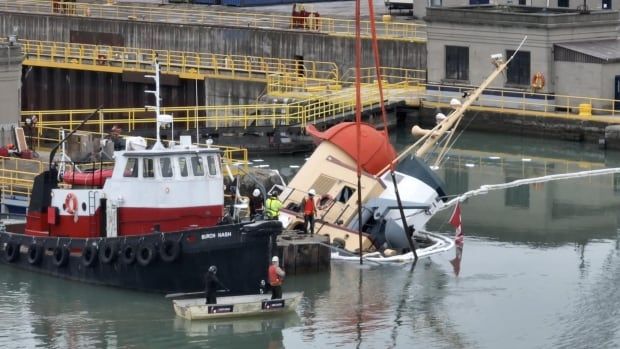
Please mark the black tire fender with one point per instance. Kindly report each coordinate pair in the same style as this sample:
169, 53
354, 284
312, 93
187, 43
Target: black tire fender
128, 254
89, 255
108, 252
60, 256
169, 250
146, 254
11, 251
35, 254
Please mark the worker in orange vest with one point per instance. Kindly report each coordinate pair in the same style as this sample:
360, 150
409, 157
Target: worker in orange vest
276, 277
308, 207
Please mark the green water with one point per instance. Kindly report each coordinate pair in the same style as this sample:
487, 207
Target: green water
539, 269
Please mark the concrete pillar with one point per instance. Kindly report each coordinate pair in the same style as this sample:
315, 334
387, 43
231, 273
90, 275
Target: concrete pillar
11, 58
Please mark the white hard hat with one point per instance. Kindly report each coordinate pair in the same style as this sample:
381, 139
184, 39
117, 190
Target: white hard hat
256, 193
312, 192
275, 259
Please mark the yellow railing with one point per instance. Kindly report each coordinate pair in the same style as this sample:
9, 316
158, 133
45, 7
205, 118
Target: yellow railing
51, 135
269, 115
526, 103
391, 77
198, 16
17, 175
190, 65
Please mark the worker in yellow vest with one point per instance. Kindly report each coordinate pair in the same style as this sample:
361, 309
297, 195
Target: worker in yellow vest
273, 205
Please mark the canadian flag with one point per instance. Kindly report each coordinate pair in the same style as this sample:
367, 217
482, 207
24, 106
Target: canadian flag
455, 221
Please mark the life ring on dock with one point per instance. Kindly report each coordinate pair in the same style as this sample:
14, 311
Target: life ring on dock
11, 251
146, 254
60, 256
107, 252
169, 250
35, 254
538, 80
71, 203
128, 254
324, 202
89, 255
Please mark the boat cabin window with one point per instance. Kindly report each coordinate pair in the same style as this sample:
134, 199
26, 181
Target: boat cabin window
165, 165
147, 168
183, 166
197, 166
212, 164
131, 168
345, 194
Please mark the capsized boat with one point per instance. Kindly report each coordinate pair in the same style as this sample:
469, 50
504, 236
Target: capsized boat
332, 172
153, 223
236, 306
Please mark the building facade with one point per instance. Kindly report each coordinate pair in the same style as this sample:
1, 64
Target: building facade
461, 41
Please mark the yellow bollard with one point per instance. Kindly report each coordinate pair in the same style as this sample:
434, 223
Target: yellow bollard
585, 109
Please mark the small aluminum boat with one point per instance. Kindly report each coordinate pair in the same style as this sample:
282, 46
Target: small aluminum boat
235, 306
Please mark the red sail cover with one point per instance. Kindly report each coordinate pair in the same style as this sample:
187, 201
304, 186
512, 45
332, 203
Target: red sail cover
377, 152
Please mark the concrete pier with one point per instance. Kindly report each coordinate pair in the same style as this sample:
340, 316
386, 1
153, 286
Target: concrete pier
11, 59
303, 254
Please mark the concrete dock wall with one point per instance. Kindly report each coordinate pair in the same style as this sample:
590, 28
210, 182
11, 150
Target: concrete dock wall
224, 40
10, 85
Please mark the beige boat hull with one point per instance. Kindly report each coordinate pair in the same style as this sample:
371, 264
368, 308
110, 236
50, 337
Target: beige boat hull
236, 306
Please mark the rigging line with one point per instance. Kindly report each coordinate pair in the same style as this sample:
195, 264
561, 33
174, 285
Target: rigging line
408, 231
441, 156
358, 118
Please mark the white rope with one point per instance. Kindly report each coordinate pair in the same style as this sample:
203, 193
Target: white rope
484, 189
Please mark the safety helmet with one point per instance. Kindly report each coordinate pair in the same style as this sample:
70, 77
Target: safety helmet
256, 193
312, 192
275, 259
213, 269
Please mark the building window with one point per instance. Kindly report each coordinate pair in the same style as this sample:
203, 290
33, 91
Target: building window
519, 68
562, 3
522, 2
457, 63
478, 2
517, 196
606, 5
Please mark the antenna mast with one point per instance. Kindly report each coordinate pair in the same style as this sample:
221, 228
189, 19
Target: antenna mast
160, 119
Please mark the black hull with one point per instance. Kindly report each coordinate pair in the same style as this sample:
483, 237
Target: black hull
241, 253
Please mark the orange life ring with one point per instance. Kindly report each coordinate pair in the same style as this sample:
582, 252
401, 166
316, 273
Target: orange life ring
538, 80
324, 202
71, 203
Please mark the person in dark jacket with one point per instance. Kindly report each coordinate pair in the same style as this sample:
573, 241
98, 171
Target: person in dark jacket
212, 284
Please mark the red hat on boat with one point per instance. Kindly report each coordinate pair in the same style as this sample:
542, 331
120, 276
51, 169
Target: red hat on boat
377, 151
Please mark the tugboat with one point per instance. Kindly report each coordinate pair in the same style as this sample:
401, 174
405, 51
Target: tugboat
154, 223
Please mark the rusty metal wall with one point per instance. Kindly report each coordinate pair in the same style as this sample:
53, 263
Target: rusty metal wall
49, 88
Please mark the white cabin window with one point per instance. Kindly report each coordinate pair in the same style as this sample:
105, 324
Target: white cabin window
183, 167
147, 168
197, 166
165, 165
212, 164
131, 168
